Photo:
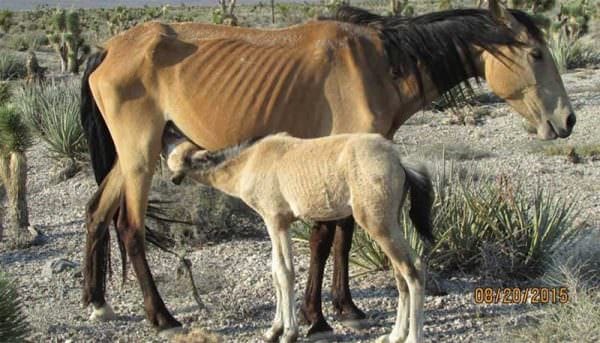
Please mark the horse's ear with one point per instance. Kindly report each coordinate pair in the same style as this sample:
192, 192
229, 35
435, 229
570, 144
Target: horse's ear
500, 12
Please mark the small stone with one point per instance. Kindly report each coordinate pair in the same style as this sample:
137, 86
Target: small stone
58, 266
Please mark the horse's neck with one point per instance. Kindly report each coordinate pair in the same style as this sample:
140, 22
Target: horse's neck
412, 100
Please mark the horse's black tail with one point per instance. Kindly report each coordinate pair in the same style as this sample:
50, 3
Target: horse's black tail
421, 201
100, 143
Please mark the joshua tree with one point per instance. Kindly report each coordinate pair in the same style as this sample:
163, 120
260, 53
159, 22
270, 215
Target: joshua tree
5, 20
67, 41
35, 73
401, 7
573, 18
15, 139
224, 14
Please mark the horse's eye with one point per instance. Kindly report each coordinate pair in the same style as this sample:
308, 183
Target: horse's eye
536, 54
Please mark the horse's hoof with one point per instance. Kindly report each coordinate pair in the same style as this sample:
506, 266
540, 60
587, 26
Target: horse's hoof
383, 339
319, 328
350, 313
103, 313
272, 335
170, 332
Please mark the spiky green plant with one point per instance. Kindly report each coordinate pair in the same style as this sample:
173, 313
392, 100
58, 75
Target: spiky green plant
15, 139
52, 111
11, 66
13, 324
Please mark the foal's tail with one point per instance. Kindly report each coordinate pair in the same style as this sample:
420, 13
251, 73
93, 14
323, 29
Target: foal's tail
421, 200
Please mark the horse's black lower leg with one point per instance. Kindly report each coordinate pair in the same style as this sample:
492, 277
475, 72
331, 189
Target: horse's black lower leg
342, 299
321, 237
133, 239
96, 255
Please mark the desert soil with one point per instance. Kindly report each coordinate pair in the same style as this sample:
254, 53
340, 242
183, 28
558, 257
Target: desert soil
233, 273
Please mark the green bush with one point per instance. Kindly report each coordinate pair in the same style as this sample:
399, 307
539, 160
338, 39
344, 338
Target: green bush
13, 327
11, 66
52, 111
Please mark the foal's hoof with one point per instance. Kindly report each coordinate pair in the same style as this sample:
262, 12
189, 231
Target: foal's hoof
272, 335
103, 313
289, 336
169, 333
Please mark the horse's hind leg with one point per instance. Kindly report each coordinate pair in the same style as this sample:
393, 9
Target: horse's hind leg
390, 239
321, 238
344, 307
137, 161
100, 210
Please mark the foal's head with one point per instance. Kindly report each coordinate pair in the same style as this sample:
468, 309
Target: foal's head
526, 76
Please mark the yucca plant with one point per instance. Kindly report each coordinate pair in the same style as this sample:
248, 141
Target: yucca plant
11, 66
52, 111
14, 141
13, 325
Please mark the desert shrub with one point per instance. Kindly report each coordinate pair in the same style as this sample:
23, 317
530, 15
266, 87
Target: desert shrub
576, 321
13, 327
26, 41
570, 54
52, 111
11, 66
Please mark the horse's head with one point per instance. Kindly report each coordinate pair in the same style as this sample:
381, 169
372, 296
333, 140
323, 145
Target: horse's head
526, 76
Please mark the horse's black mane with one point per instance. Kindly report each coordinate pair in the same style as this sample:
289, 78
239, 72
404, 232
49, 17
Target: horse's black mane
440, 40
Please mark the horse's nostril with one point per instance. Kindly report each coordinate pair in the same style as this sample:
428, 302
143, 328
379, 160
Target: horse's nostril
571, 120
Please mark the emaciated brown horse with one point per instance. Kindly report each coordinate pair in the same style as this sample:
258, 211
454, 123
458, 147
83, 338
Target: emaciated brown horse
221, 85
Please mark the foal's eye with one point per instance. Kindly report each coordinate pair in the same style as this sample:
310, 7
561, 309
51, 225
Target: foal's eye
536, 54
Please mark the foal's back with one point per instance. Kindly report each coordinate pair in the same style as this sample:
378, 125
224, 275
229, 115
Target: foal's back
323, 178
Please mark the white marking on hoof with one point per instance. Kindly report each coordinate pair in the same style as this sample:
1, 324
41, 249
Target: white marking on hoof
103, 314
169, 333
356, 324
383, 339
272, 335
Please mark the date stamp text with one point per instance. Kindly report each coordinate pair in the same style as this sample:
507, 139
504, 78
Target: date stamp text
518, 295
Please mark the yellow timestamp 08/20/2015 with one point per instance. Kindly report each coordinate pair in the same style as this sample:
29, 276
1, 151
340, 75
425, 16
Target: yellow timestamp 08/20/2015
518, 295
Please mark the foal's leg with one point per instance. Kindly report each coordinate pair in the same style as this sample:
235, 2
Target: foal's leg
100, 210
321, 237
283, 269
340, 289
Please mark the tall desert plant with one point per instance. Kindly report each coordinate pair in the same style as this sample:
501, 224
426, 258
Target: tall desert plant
67, 40
15, 139
13, 326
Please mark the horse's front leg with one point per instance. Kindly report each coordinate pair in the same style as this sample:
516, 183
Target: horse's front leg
345, 308
283, 279
321, 238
